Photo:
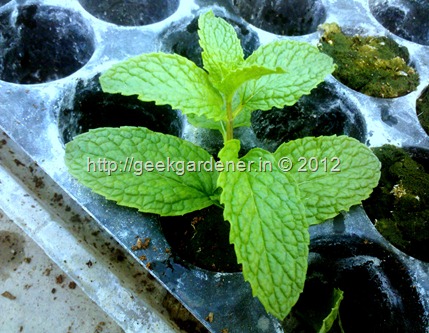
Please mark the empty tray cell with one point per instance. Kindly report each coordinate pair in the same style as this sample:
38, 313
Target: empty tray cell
323, 112
423, 109
291, 17
92, 108
405, 18
131, 12
379, 295
399, 205
201, 238
43, 43
373, 65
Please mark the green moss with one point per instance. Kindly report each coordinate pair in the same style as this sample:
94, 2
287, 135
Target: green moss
423, 110
375, 66
399, 206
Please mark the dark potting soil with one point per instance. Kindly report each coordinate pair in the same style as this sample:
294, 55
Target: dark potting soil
131, 12
399, 205
93, 108
379, 295
202, 239
291, 18
323, 112
43, 43
375, 66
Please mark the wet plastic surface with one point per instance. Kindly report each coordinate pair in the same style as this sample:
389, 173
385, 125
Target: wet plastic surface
41, 116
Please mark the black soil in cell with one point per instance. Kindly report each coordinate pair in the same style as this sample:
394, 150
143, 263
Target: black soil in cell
379, 295
422, 108
291, 18
131, 12
399, 205
43, 43
3, 2
323, 112
185, 41
373, 65
201, 238
92, 108
407, 18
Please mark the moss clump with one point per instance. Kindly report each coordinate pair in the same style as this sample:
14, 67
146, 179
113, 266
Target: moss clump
423, 110
375, 66
399, 206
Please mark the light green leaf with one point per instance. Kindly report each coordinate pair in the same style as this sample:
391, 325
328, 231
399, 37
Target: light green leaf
228, 86
333, 173
268, 229
121, 164
201, 121
222, 51
229, 152
166, 79
304, 68
242, 119
239, 76
335, 312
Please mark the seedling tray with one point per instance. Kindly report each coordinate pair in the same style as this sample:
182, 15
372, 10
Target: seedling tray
51, 55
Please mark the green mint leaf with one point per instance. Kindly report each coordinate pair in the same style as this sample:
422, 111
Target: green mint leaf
233, 80
230, 150
222, 51
166, 79
239, 76
243, 119
131, 176
268, 229
335, 312
201, 121
333, 173
304, 66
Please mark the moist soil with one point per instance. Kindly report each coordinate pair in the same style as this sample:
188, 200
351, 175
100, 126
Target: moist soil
202, 239
379, 295
399, 206
374, 66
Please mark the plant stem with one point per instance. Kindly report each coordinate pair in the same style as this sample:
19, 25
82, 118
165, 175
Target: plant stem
230, 121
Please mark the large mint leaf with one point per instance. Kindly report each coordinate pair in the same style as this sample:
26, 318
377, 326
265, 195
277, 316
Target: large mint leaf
171, 187
222, 51
166, 79
268, 229
333, 173
304, 66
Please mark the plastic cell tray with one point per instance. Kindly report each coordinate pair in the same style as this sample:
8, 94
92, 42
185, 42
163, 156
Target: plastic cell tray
52, 53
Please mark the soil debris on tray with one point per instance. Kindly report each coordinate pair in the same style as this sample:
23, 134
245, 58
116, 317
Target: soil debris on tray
181, 316
59, 279
141, 245
210, 317
8, 295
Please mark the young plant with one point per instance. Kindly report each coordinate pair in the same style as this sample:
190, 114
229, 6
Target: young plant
269, 199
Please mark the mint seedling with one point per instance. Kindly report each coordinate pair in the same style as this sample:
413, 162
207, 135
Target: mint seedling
270, 208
